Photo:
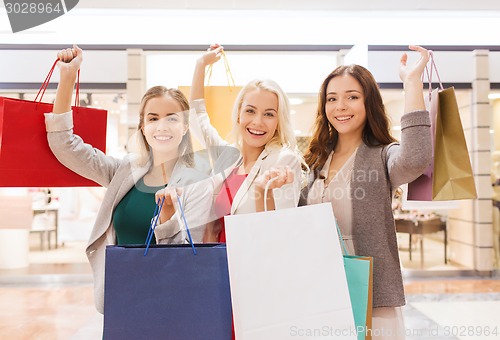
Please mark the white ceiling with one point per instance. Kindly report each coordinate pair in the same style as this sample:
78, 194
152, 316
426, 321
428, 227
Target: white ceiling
336, 5
260, 22
267, 22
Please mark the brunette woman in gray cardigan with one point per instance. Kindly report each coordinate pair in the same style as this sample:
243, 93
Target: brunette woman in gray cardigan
356, 165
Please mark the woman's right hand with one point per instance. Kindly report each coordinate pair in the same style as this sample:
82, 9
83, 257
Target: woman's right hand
69, 63
70, 60
212, 55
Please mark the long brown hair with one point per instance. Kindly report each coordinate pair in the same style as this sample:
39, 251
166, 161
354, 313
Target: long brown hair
186, 145
377, 126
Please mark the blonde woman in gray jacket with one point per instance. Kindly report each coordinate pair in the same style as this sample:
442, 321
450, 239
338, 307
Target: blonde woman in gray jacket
162, 168
356, 165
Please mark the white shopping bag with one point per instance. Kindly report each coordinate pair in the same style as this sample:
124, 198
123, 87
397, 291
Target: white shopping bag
287, 275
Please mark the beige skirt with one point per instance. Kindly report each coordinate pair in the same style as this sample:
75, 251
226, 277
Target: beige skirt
388, 323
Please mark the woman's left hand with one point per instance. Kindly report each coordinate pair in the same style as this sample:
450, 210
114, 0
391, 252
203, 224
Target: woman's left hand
169, 198
413, 72
280, 176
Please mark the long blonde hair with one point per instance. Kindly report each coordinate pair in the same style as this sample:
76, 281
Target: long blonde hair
284, 135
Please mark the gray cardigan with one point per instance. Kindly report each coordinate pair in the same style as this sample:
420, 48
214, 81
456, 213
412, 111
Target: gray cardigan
377, 172
119, 176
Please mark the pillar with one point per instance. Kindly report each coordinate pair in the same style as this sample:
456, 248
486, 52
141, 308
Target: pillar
471, 226
136, 87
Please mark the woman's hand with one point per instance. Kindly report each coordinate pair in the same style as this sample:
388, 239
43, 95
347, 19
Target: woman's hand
279, 177
276, 178
413, 72
69, 63
169, 198
412, 79
70, 60
213, 55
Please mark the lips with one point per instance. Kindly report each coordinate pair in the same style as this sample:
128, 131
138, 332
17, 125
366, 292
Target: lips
344, 118
162, 138
256, 132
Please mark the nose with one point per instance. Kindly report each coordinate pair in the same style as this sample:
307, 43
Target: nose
257, 120
341, 105
162, 124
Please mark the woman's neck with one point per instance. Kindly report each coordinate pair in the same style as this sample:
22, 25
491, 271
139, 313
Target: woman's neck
347, 144
165, 158
250, 156
160, 172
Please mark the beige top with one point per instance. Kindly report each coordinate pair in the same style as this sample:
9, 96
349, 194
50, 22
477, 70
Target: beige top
338, 192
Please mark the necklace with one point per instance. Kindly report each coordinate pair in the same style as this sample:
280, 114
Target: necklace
164, 173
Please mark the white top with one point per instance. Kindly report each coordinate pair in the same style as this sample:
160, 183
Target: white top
338, 192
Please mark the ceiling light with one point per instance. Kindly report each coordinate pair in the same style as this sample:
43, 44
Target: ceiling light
296, 101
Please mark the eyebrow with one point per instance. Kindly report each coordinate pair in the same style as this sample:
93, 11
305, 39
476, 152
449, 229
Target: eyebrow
254, 107
348, 91
156, 114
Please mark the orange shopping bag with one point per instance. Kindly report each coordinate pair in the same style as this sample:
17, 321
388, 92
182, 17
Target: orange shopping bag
219, 100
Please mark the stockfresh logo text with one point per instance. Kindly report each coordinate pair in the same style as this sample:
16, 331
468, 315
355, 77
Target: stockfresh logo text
25, 14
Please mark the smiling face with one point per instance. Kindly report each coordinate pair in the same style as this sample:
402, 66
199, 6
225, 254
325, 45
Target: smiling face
163, 126
345, 106
258, 118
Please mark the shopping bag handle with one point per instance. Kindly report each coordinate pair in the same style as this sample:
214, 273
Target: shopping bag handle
152, 226
266, 188
429, 70
229, 75
154, 222
185, 223
342, 243
45, 85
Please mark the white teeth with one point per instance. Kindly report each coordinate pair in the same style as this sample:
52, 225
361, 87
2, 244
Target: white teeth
162, 138
256, 132
343, 118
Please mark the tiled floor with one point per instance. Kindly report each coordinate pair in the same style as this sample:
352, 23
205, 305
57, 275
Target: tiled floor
54, 301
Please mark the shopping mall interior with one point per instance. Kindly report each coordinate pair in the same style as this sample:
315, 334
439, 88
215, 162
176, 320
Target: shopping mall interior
449, 250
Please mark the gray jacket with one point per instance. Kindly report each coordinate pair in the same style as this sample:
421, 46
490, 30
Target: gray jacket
377, 172
119, 176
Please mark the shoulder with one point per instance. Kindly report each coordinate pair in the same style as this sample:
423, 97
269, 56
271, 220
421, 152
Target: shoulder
281, 156
184, 174
364, 149
389, 149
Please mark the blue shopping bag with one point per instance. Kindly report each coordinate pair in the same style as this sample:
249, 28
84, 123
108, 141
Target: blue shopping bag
168, 292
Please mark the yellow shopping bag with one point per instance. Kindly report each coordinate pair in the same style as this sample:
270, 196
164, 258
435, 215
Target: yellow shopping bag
453, 178
219, 100
450, 176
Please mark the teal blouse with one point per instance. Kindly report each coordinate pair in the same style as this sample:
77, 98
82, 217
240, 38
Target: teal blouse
132, 216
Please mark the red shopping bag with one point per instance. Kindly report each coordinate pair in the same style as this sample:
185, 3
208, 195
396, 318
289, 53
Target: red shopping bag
25, 157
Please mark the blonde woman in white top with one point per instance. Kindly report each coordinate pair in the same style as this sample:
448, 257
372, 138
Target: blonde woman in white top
263, 135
